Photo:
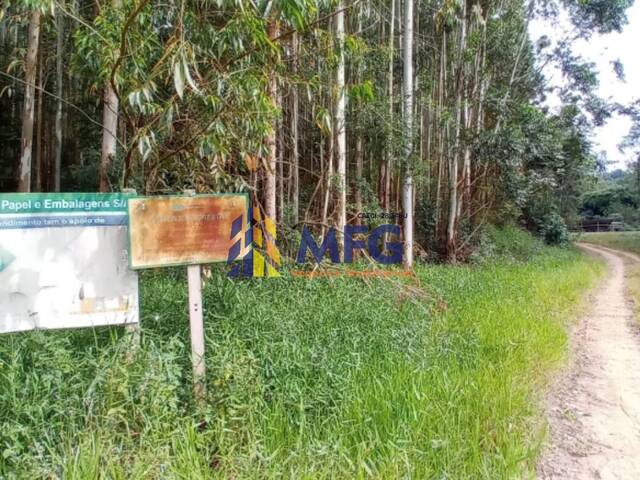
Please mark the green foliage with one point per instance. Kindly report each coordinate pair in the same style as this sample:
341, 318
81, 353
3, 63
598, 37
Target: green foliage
607, 201
554, 230
306, 378
192, 80
508, 242
544, 163
601, 16
362, 92
615, 193
628, 241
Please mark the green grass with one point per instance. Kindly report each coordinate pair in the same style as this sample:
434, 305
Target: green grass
629, 241
632, 279
626, 241
328, 378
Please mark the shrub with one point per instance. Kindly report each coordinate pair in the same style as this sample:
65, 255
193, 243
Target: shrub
508, 242
553, 230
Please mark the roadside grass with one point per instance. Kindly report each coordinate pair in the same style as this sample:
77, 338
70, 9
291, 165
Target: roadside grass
625, 241
629, 241
322, 378
633, 287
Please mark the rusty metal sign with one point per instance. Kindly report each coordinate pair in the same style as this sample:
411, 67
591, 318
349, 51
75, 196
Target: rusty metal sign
183, 230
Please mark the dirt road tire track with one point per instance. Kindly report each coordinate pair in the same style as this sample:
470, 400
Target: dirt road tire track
594, 409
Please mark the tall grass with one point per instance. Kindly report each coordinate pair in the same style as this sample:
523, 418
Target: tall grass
323, 378
629, 241
626, 241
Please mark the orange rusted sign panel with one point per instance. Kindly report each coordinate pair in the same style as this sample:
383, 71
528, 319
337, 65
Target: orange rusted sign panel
183, 230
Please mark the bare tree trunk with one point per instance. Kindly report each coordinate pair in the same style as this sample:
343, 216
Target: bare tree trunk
428, 155
280, 176
270, 174
442, 82
389, 159
359, 173
59, 77
40, 150
514, 71
407, 188
295, 166
465, 200
328, 177
109, 128
109, 132
472, 115
341, 131
359, 153
453, 166
26, 143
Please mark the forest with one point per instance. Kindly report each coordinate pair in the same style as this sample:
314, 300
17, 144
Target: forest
322, 110
437, 116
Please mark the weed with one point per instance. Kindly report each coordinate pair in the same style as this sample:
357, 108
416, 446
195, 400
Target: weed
322, 378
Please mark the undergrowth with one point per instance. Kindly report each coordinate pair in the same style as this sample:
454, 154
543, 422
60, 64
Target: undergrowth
322, 378
629, 241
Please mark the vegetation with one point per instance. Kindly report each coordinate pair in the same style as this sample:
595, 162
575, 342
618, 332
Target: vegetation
442, 104
613, 194
319, 378
628, 241
432, 111
633, 287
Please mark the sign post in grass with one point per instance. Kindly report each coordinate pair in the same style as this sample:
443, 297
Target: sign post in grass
196, 325
187, 230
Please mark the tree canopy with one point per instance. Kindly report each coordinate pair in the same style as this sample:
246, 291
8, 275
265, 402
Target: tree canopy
224, 96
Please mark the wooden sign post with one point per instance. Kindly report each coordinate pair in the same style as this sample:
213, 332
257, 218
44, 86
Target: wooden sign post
186, 230
196, 327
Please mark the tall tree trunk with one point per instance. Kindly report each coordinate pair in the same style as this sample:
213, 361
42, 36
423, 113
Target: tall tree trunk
453, 166
503, 103
295, 166
40, 147
280, 178
389, 151
109, 135
442, 83
270, 174
359, 153
109, 128
26, 142
341, 131
328, 177
59, 77
359, 173
407, 188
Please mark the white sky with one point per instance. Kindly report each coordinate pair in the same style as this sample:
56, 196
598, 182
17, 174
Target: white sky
602, 50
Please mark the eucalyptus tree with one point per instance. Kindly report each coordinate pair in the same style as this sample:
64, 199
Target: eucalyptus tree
283, 98
407, 189
30, 69
198, 103
110, 105
340, 125
57, 170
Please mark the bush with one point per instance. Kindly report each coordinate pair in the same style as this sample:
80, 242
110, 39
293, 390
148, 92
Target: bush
553, 230
508, 242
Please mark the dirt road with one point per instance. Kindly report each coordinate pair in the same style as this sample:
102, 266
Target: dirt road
594, 410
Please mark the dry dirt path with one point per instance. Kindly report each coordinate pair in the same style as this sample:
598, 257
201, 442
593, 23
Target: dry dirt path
594, 410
